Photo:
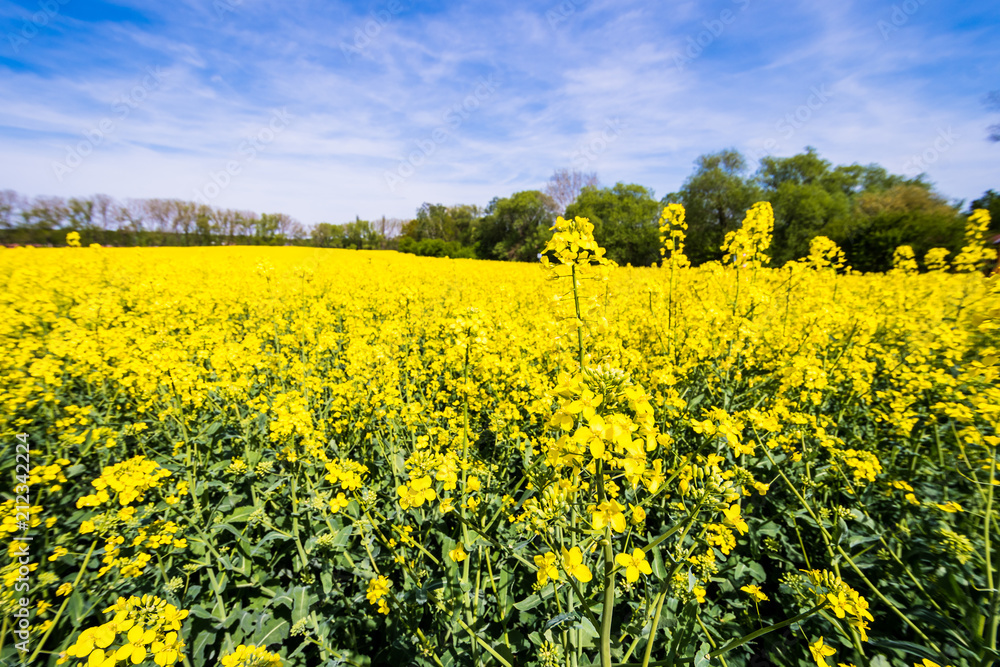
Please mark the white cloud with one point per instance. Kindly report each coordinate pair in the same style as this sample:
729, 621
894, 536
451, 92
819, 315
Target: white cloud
560, 84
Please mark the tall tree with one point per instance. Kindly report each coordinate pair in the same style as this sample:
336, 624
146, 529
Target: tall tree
45, 213
445, 223
388, 228
715, 198
516, 227
104, 212
625, 219
80, 214
908, 214
806, 197
564, 186
11, 205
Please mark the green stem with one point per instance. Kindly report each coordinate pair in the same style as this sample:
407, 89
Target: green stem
850, 561
609, 598
994, 617
55, 621
653, 627
579, 319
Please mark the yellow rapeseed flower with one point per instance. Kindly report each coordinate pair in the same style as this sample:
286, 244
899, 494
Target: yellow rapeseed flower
546, 568
457, 554
574, 566
634, 564
820, 652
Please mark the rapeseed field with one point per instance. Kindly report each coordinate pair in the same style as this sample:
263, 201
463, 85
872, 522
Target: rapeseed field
287, 456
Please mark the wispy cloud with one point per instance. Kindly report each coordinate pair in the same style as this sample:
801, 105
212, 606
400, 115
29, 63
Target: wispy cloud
367, 84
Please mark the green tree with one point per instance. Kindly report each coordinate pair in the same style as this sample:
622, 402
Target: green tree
812, 199
45, 213
625, 219
909, 214
446, 223
715, 198
266, 232
991, 202
360, 235
807, 197
80, 214
326, 235
516, 227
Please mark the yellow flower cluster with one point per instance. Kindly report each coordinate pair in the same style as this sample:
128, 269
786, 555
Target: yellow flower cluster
672, 233
903, 260
975, 255
573, 244
126, 482
825, 254
747, 246
141, 627
378, 589
251, 656
10, 519
840, 598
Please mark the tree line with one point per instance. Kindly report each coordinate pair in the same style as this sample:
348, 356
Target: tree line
866, 210
137, 222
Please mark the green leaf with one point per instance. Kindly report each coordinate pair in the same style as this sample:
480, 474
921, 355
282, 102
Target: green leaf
528, 603
856, 540
701, 658
343, 535
659, 571
75, 605
270, 537
274, 632
200, 612
769, 529
240, 514
200, 642
301, 602
588, 629
506, 653
561, 618
908, 647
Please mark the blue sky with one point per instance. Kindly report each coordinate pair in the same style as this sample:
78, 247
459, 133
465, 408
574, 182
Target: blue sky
328, 110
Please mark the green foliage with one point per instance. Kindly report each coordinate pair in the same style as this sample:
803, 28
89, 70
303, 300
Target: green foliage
436, 248
446, 223
357, 235
902, 215
865, 209
516, 227
625, 219
991, 202
715, 197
